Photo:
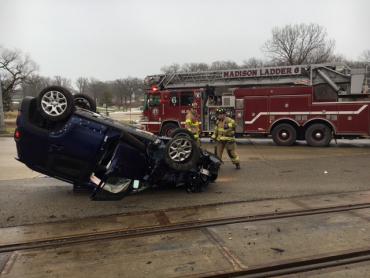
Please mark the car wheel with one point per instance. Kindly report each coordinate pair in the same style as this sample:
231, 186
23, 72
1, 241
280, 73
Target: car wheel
168, 128
85, 102
318, 135
284, 135
55, 103
182, 132
181, 153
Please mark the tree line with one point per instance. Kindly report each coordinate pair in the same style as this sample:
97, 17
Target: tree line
19, 75
120, 92
26, 82
288, 45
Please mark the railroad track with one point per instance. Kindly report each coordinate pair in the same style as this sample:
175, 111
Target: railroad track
299, 266
168, 228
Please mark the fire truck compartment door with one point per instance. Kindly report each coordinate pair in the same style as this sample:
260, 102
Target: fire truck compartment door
171, 106
256, 115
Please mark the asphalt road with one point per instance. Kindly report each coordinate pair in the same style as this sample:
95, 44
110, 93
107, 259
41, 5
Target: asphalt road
268, 172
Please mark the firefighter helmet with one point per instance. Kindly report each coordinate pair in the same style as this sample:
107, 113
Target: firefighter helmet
220, 111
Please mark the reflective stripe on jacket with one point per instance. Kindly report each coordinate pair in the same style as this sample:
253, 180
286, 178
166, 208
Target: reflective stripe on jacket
193, 127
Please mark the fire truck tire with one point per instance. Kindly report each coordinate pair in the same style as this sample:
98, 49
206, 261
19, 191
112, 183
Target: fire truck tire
318, 135
85, 102
181, 153
284, 135
182, 132
168, 128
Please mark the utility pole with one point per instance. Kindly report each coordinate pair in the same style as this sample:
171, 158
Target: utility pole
2, 124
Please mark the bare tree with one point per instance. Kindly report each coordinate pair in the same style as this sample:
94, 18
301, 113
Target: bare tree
135, 86
187, 67
255, 63
223, 65
171, 68
365, 56
194, 67
299, 44
106, 97
120, 91
127, 90
15, 67
33, 85
2, 123
82, 84
96, 89
62, 81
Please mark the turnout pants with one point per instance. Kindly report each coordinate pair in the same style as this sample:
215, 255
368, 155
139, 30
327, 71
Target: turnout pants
230, 148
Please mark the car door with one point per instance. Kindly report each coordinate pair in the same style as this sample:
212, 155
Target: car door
73, 149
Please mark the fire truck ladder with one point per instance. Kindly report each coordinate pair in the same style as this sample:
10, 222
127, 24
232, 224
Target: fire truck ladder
234, 77
309, 75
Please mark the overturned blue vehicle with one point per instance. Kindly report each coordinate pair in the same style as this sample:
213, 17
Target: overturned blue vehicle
61, 135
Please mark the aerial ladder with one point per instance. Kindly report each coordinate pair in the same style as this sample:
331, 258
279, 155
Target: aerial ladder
346, 82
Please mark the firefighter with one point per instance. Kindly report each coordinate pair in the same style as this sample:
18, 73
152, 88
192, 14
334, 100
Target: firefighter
224, 135
192, 124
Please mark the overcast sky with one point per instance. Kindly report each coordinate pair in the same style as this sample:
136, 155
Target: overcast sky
114, 39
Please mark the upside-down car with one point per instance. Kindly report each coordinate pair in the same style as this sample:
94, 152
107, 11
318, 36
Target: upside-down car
61, 135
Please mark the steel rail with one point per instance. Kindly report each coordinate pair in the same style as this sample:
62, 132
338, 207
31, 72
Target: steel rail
298, 265
174, 227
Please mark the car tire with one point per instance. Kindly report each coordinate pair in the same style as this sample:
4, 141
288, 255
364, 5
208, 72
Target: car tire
168, 128
318, 135
284, 135
181, 153
55, 103
182, 132
85, 102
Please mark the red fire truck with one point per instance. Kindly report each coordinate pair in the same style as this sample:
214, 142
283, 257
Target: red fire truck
314, 103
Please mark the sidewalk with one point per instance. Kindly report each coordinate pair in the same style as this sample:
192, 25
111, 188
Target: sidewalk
10, 168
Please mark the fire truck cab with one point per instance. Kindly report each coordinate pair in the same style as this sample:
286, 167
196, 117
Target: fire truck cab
315, 103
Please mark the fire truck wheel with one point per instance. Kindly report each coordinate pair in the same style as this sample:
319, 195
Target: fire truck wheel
284, 135
318, 135
55, 103
181, 153
85, 102
168, 128
181, 132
